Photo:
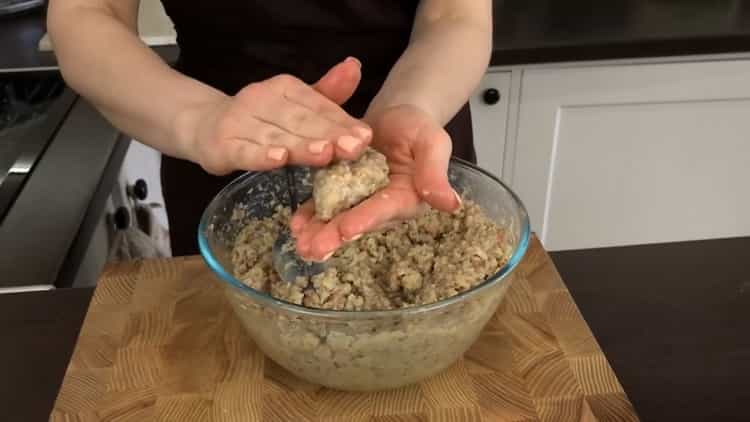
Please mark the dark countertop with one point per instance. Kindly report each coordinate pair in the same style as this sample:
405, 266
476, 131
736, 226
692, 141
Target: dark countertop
39, 331
674, 322
534, 31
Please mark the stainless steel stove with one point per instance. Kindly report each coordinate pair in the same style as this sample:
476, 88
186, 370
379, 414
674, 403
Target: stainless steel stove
59, 160
32, 107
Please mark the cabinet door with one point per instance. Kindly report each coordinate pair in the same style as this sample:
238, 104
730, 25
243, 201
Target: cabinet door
154, 26
142, 162
489, 116
635, 154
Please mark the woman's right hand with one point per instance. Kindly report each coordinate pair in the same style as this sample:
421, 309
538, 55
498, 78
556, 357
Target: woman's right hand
279, 121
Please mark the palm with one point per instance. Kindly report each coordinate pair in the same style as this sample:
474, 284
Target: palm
406, 135
418, 151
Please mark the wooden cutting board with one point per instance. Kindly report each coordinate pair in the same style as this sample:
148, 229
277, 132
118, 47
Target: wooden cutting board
159, 343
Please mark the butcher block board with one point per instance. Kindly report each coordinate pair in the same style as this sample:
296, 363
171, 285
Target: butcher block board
159, 343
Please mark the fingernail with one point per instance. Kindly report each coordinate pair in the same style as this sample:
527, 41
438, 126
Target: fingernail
317, 147
327, 257
276, 153
355, 60
349, 143
354, 238
458, 199
363, 133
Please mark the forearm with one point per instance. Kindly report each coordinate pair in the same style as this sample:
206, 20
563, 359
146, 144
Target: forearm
440, 68
102, 58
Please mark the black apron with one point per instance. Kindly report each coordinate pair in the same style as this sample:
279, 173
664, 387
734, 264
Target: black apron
229, 44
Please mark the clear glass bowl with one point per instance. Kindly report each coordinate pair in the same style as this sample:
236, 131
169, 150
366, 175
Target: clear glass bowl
369, 350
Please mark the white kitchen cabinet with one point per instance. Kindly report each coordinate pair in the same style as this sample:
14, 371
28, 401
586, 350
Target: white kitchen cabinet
489, 115
143, 162
635, 154
154, 26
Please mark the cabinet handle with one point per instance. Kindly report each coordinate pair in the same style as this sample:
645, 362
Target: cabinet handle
121, 218
491, 96
139, 190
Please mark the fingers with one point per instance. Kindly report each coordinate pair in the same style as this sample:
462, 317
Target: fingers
351, 136
432, 154
391, 203
330, 92
339, 84
307, 238
304, 227
302, 151
304, 214
317, 240
285, 112
243, 154
304, 132
299, 120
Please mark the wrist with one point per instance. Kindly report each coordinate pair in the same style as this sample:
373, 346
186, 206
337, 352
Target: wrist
187, 125
378, 109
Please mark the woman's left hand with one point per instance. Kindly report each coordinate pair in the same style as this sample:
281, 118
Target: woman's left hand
418, 150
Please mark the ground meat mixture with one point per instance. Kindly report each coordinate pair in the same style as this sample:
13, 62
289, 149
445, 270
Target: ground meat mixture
424, 260
344, 184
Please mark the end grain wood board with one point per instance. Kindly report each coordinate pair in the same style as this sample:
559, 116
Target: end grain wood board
159, 343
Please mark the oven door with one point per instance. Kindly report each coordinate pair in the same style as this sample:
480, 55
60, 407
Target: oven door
59, 192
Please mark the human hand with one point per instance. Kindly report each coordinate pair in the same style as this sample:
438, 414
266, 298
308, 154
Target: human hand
279, 121
418, 150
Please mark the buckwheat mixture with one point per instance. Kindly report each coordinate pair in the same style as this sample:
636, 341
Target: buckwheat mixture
346, 183
430, 258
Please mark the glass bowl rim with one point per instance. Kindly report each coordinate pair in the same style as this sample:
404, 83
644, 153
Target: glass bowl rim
267, 299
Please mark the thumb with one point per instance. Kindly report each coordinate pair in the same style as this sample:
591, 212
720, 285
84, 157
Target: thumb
340, 82
432, 155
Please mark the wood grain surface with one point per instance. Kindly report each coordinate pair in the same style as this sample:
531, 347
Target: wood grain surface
159, 343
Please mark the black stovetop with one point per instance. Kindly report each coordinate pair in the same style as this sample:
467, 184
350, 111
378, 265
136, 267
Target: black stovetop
32, 106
